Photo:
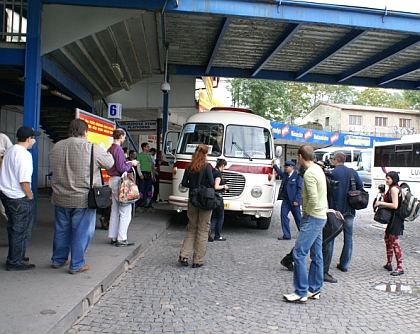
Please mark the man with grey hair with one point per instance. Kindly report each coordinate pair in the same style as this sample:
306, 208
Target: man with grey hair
70, 161
341, 173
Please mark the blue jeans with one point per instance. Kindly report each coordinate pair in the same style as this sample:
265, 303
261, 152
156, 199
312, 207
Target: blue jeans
309, 239
20, 215
145, 190
217, 218
286, 207
74, 228
347, 251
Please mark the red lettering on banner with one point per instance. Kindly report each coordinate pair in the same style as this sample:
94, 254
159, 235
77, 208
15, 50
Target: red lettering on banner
334, 138
284, 130
307, 134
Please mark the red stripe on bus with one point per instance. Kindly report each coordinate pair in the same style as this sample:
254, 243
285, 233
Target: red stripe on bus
243, 169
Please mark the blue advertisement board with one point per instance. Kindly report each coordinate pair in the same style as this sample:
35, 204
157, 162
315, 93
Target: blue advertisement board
325, 138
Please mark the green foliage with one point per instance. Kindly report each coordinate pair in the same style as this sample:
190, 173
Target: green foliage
285, 101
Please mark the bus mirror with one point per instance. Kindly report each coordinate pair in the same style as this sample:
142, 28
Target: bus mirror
279, 151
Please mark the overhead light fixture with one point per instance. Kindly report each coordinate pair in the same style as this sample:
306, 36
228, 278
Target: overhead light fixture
120, 75
44, 87
60, 94
125, 85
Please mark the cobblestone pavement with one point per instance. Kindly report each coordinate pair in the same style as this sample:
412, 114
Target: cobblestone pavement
241, 285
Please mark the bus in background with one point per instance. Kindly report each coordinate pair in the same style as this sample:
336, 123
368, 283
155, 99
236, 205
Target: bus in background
364, 166
245, 141
352, 154
401, 156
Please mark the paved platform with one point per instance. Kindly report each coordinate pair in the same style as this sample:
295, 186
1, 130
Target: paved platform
47, 300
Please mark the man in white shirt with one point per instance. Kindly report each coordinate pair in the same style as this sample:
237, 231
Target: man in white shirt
17, 197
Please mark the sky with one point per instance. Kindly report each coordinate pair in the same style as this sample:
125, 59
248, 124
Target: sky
409, 6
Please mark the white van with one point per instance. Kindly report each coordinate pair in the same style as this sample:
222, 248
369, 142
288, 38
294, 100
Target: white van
352, 154
364, 166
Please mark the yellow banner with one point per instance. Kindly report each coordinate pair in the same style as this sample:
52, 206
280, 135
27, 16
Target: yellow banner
204, 104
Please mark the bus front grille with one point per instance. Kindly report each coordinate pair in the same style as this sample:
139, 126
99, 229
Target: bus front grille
235, 182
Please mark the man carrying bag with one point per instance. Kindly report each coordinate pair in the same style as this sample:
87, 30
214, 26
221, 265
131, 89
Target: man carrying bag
342, 174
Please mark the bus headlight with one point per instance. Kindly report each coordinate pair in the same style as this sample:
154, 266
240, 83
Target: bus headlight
256, 192
182, 189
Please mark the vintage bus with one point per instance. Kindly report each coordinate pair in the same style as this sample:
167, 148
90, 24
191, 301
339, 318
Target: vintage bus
245, 141
402, 156
364, 166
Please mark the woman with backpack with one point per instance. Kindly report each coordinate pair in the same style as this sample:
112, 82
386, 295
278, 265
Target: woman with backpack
218, 214
198, 219
395, 226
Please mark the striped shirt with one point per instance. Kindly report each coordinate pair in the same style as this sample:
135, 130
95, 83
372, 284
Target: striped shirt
70, 165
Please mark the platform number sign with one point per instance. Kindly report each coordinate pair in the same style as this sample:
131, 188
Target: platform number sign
114, 110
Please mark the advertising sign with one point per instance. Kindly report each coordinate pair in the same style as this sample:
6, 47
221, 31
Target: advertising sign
99, 133
139, 126
305, 135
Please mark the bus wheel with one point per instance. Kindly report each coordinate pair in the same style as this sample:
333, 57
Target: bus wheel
263, 223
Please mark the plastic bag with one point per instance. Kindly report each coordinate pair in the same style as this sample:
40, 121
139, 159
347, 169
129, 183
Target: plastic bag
128, 191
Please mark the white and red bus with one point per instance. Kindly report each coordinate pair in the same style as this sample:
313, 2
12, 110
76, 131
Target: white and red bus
245, 141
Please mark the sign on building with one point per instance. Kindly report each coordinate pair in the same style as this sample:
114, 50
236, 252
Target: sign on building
139, 126
114, 110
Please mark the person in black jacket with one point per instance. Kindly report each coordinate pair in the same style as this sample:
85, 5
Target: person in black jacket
198, 219
218, 214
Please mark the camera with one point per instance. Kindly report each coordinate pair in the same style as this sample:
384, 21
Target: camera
165, 87
326, 167
381, 188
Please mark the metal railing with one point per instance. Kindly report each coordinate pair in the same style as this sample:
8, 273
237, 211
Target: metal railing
13, 14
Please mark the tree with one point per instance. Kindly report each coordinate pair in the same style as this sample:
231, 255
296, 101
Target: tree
412, 98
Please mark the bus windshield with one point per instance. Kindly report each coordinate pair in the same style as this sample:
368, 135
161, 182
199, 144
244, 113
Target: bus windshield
193, 134
248, 142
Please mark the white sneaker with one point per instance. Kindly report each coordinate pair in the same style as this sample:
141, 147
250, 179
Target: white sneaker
314, 295
293, 297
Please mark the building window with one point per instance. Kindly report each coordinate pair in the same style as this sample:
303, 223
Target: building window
327, 121
381, 121
355, 120
405, 123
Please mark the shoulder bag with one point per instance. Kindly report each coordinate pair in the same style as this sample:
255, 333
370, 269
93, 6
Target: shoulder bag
382, 215
202, 197
358, 199
98, 197
333, 226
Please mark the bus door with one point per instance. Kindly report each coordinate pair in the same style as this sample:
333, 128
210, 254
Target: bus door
167, 163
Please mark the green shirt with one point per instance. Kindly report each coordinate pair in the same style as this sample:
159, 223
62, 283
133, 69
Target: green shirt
314, 192
145, 161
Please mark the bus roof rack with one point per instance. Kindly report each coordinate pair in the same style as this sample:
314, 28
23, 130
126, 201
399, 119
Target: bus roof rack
249, 111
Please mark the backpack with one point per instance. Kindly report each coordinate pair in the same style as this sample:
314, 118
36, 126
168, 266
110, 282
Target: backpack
410, 206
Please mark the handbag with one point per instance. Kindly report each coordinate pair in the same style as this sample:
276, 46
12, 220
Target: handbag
358, 199
333, 226
128, 192
202, 197
98, 197
382, 215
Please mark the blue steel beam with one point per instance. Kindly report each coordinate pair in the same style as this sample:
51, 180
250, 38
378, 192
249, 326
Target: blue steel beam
405, 44
221, 35
351, 37
285, 76
292, 11
33, 75
399, 73
66, 84
12, 56
281, 41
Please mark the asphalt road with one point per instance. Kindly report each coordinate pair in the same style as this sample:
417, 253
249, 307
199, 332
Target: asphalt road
241, 285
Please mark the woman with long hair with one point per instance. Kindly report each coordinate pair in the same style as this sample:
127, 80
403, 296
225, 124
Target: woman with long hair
395, 227
218, 214
198, 219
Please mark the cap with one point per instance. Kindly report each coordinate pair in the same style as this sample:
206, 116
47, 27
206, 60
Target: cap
26, 132
289, 163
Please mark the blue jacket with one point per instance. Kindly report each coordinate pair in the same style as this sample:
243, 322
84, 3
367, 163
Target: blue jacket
294, 186
341, 174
